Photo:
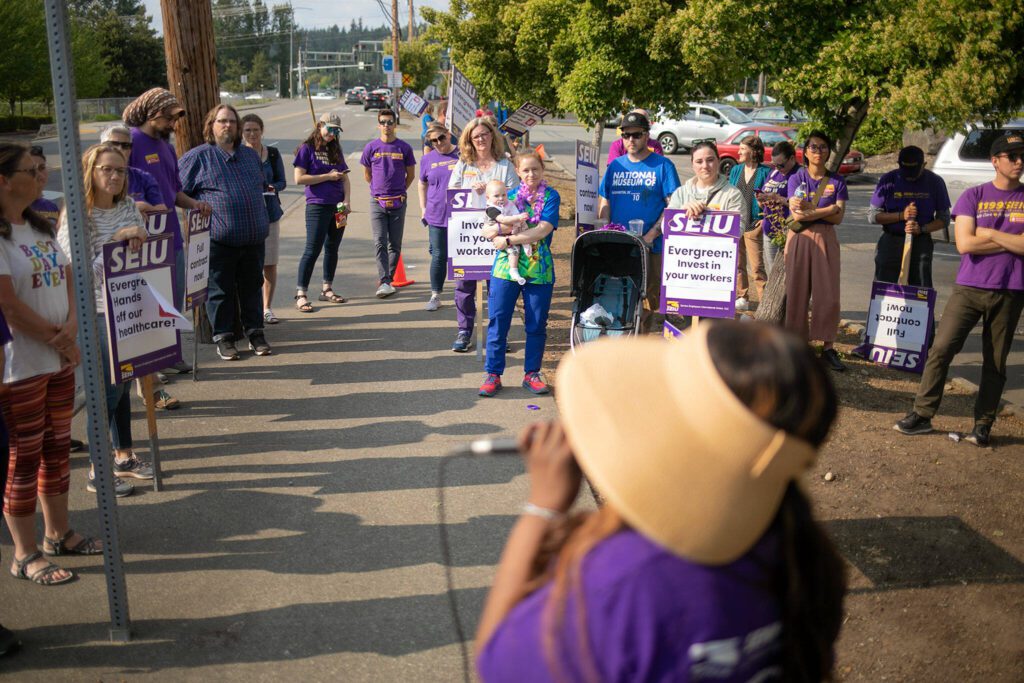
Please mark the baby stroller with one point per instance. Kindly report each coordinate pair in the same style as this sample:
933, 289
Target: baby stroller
609, 278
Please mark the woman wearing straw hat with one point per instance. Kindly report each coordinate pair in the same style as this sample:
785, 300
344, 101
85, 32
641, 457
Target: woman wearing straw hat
705, 560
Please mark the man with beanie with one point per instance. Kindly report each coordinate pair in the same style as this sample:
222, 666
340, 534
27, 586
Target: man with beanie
910, 200
989, 287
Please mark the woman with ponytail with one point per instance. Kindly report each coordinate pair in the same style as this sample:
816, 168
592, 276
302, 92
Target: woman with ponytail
704, 560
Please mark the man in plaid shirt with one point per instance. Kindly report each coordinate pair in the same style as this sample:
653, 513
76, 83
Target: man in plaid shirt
228, 176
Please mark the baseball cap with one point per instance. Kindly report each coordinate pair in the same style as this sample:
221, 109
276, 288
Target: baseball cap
331, 119
635, 120
911, 160
1013, 141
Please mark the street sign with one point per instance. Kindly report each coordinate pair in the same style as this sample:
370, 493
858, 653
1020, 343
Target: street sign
244, 79
406, 80
388, 63
394, 79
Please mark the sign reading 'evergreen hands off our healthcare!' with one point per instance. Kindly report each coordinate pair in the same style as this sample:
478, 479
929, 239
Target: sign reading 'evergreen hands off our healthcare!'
142, 324
470, 254
699, 264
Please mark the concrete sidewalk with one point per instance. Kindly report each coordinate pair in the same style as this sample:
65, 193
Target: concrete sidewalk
296, 537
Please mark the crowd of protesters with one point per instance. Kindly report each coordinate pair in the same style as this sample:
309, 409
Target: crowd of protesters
788, 209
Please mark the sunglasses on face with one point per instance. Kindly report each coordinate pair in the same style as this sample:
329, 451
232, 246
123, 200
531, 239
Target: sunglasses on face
438, 140
122, 145
1013, 157
331, 130
633, 136
779, 164
386, 122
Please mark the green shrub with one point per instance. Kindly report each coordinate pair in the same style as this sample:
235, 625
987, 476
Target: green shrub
877, 136
26, 123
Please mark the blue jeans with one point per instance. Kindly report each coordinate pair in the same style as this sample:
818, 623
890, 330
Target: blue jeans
119, 406
502, 302
387, 226
235, 271
321, 233
438, 256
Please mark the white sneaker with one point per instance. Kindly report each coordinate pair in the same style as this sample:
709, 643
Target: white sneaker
434, 303
385, 290
742, 304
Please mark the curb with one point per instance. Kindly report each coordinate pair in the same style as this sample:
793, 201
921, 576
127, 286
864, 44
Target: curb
1005, 407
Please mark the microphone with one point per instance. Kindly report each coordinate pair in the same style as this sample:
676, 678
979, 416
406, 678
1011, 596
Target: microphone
493, 447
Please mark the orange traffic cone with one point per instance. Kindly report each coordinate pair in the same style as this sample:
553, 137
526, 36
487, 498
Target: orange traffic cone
541, 152
400, 279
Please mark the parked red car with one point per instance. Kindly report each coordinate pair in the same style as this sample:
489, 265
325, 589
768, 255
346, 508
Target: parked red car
729, 149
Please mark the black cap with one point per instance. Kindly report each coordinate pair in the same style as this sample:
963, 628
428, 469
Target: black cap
635, 120
911, 161
1011, 142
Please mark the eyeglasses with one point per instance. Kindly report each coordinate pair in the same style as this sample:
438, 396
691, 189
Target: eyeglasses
226, 122
122, 145
438, 140
780, 164
111, 172
483, 135
34, 171
386, 122
633, 136
1012, 157
817, 148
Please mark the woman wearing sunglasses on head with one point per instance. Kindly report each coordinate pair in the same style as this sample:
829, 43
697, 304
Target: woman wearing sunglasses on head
435, 172
320, 166
704, 562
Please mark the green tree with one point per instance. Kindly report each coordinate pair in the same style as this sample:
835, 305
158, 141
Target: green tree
262, 73
420, 61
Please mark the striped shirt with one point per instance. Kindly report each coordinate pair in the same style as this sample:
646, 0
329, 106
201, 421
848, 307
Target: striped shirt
233, 185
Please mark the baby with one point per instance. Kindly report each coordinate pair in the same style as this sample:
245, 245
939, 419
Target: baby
500, 212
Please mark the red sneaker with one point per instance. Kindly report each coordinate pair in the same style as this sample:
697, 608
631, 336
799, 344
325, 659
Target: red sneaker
491, 385
534, 384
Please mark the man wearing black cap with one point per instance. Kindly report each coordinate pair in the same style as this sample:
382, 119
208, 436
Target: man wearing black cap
638, 185
989, 286
910, 200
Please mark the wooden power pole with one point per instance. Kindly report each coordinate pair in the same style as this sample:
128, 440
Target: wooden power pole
412, 21
192, 77
394, 51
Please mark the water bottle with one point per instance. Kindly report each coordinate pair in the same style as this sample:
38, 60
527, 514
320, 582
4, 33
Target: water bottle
340, 217
801, 191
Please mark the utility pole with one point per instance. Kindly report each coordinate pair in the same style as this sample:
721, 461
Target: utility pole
192, 77
394, 51
291, 53
412, 20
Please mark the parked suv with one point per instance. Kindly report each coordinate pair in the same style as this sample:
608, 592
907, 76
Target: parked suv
963, 160
701, 121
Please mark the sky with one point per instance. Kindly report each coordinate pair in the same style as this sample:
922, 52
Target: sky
325, 13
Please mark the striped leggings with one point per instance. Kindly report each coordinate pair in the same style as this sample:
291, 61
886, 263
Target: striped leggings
38, 414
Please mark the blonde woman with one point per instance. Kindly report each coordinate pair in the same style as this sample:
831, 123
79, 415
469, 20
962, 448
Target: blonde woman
481, 160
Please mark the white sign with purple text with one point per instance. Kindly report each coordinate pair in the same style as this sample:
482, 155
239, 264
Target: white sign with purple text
699, 264
412, 103
197, 267
899, 326
470, 254
587, 179
462, 102
523, 119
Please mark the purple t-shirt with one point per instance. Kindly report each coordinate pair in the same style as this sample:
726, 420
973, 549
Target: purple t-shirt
316, 163
894, 192
142, 187
1001, 210
833, 192
775, 217
652, 616
435, 171
156, 157
387, 162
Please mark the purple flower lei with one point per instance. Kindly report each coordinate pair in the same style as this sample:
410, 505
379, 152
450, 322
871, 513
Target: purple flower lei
535, 200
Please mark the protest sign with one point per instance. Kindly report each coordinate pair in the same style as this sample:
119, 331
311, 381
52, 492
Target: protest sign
900, 320
587, 179
156, 223
413, 103
523, 119
197, 266
142, 326
670, 331
462, 102
699, 264
470, 254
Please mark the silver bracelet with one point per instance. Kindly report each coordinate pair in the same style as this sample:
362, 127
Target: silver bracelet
544, 513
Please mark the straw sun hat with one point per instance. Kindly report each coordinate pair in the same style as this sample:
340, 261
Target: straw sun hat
671, 448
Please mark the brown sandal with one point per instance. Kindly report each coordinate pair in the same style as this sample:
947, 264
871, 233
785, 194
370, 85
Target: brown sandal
87, 546
302, 303
42, 577
329, 295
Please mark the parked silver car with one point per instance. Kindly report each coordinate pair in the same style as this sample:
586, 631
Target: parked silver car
963, 160
701, 121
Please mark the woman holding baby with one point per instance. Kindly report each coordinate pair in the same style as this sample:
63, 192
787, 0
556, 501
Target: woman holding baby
534, 278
